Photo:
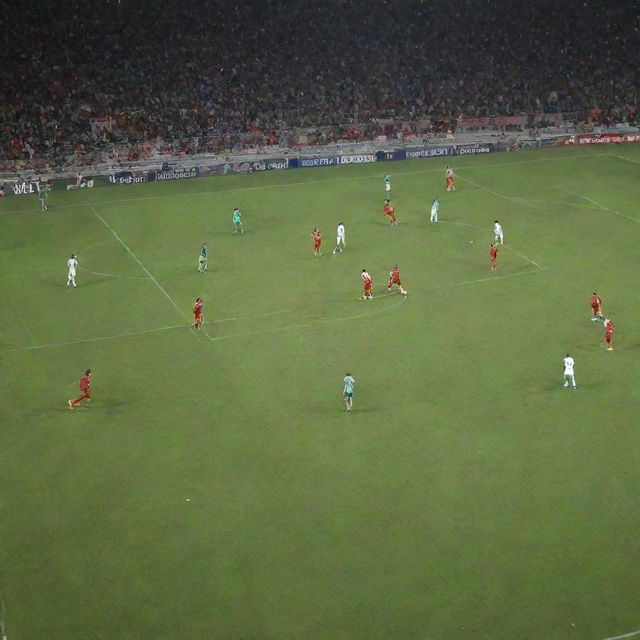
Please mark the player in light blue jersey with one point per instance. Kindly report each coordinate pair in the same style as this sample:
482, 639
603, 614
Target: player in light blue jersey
387, 183
349, 384
435, 207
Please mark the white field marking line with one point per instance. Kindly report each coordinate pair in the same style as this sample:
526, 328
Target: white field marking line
101, 338
501, 195
613, 155
564, 204
133, 255
318, 322
470, 224
114, 275
488, 279
625, 635
302, 182
603, 208
93, 246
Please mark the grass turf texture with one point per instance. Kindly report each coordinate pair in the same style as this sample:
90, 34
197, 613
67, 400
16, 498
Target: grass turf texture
468, 495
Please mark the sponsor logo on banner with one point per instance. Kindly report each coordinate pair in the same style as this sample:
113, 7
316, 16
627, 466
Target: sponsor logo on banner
430, 152
361, 159
277, 163
316, 162
474, 148
599, 138
126, 177
174, 174
25, 188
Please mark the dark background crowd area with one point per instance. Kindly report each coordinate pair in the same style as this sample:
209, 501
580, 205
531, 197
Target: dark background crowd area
188, 69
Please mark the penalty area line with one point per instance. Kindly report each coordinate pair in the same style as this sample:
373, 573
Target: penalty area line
135, 257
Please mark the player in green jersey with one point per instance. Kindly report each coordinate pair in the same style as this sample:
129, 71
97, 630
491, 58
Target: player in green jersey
202, 259
236, 216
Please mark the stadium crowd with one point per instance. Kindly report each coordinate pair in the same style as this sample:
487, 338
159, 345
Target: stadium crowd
189, 69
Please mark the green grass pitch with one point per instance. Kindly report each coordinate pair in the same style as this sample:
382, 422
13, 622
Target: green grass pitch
217, 489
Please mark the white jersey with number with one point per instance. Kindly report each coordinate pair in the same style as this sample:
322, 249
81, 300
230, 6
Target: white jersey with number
340, 231
72, 263
568, 366
497, 229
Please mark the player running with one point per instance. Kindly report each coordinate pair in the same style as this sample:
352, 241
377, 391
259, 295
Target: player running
449, 179
596, 307
391, 212
569, 376
493, 256
498, 235
367, 293
236, 216
198, 306
317, 241
435, 207
387, 183
72, 265
349, 384
202, 258
43, 196
394, 278
340, 239
85, 388
608, 333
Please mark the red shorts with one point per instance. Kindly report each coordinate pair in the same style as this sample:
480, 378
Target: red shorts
197, 317
392, 282
367, 286
316, 245
595, 309
86, 394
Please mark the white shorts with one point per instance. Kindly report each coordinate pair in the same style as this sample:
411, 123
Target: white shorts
339, 240
72, 273
387, 187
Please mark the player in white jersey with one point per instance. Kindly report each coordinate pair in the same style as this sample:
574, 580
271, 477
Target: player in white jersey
435, 207
340, 239
347, 392
72, 264
387, 183
498, 234
569, 376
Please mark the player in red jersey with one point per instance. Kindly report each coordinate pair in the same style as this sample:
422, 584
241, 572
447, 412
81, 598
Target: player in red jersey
596, 307
367, 294
449, 177
317, 241
493, 256
394, 278
391, 212
608, 333
197, 312
85, 388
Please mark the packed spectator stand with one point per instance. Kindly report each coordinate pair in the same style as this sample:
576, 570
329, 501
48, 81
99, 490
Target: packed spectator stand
80, 78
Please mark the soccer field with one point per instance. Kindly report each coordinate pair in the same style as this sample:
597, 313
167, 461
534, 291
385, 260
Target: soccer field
216, 488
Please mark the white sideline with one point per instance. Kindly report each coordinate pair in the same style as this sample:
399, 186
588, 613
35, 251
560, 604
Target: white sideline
624, 635
293, 184
133, 255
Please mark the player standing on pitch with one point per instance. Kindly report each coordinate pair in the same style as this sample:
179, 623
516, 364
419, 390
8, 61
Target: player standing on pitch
72, 264
449, 178
236, 216
608, 333
367, 281
198, 306
435, 207
347, 391
387, 183
317, 241
493, 256
569, 376
596, 307
202, 258
340, 239
394, 278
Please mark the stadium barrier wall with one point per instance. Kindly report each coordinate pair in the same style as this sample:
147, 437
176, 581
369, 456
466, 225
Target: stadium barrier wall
31, 187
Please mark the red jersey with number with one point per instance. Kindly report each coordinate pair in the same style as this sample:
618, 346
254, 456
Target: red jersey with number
609, 328
395, 275
197, 308
85, 384
493, 253
389, 210
595, 302
317, 238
